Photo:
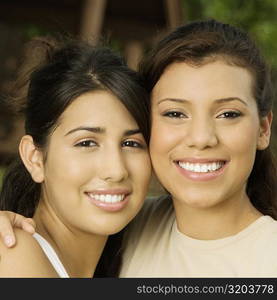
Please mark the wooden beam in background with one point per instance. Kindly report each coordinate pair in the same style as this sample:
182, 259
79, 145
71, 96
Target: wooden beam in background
133, 53
173, 10
92, 19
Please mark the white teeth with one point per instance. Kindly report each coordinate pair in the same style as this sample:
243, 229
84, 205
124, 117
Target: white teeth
107, 198
201, 168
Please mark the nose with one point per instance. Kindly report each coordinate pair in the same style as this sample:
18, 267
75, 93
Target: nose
113, 166
201, 134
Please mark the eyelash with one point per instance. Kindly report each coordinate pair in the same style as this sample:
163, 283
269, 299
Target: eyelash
133, 144
226, 115
86, 144
91, 143
230, 115
174, 115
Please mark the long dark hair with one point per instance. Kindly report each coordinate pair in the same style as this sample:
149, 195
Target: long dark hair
65, 72
202, 41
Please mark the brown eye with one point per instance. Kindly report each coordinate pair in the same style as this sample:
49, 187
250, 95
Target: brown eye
174, 114
132, 144
87, 143
230, 115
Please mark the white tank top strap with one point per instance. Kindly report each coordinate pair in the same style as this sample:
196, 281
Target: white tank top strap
51, 255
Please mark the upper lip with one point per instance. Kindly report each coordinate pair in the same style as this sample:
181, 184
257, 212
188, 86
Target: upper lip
200, 160
114, 191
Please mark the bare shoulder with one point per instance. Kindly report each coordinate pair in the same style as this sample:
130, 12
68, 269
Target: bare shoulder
26, 259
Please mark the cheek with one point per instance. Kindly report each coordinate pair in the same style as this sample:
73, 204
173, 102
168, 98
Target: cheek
64, 181
241, 144
67, 169
140, 170
243, 140
164, 138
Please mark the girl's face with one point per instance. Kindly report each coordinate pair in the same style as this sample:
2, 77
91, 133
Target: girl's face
205, 132
97, 170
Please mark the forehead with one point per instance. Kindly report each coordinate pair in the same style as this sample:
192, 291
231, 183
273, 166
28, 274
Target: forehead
96, 108
216, 78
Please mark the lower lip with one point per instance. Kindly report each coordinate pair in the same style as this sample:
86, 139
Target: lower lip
197, 176
112, 207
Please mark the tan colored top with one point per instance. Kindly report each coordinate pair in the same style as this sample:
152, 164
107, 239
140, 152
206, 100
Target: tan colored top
156, 248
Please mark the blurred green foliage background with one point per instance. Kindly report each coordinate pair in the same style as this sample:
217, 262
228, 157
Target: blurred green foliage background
259, 17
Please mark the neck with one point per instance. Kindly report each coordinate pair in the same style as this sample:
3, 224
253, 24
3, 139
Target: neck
79, 251
222, 220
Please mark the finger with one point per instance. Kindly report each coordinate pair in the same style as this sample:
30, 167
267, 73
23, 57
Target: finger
27, 224
6, 229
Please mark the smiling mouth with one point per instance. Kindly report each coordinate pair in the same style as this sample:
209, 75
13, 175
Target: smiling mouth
107, 198
202, 167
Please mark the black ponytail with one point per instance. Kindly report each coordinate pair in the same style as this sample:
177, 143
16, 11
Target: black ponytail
19, 187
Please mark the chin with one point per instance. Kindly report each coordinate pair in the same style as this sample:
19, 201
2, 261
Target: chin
197, 200
112, 230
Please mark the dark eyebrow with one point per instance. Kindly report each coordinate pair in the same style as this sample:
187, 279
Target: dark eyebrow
173, 100
221, 100
90, 129
231, 99
102, 130
131, 132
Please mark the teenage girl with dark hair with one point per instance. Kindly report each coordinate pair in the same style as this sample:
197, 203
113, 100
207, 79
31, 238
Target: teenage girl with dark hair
84, 166
211, 114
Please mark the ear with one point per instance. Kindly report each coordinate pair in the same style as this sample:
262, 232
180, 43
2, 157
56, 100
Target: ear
265, 131
32, 158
